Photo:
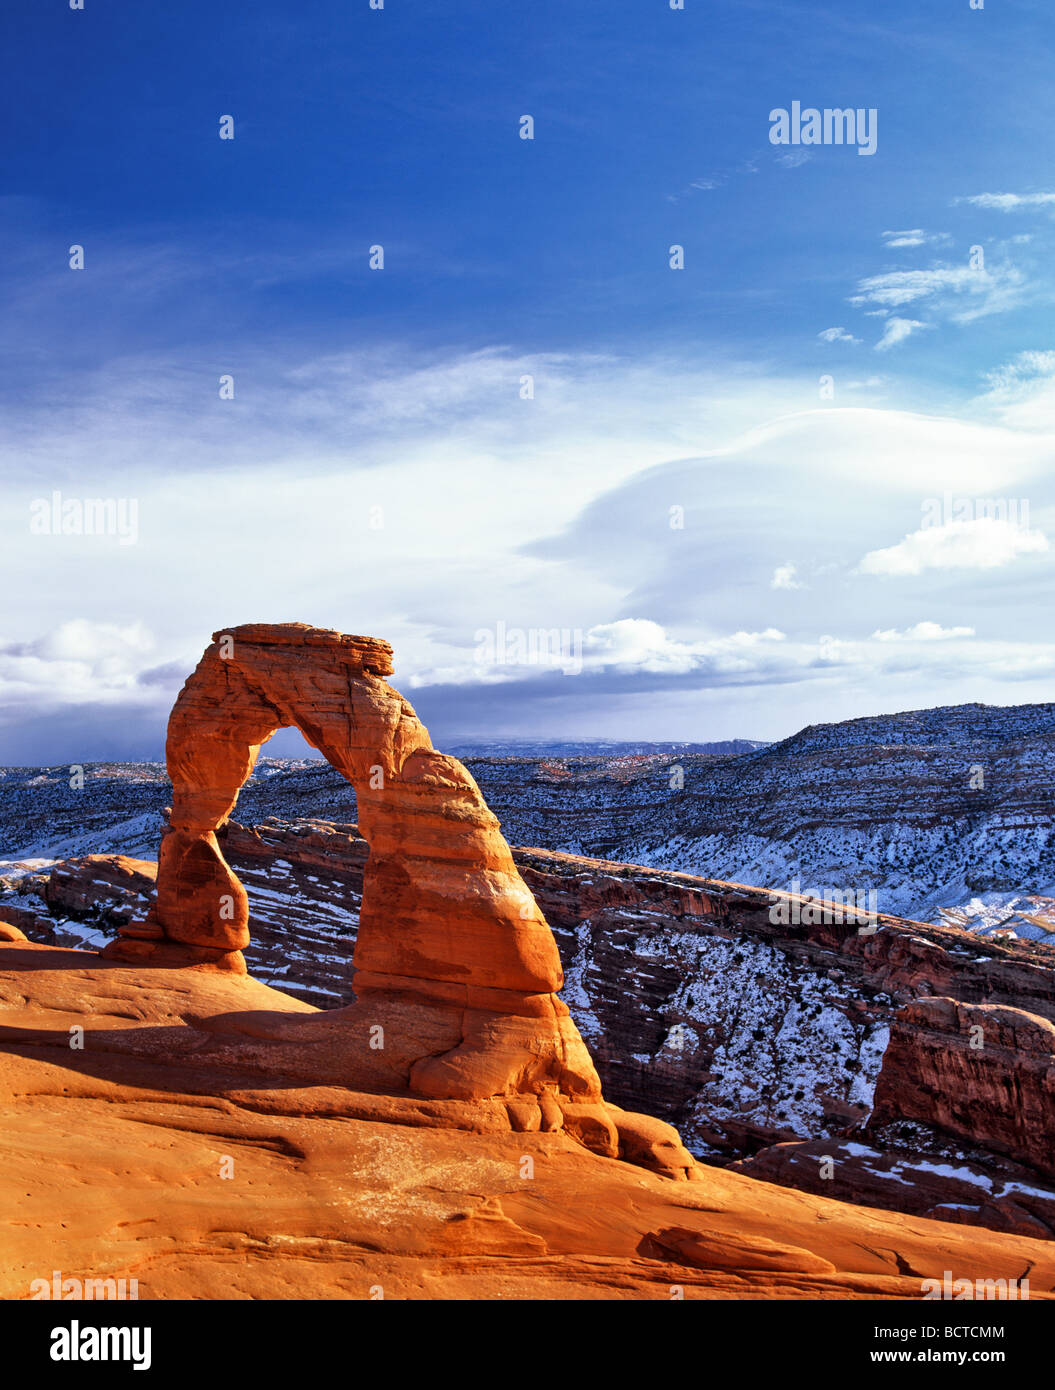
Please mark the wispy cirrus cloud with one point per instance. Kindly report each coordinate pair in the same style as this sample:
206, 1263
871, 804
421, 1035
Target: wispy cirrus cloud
914, 236
1026, 367
961, 293
1021, 392
896, 330
1010, 202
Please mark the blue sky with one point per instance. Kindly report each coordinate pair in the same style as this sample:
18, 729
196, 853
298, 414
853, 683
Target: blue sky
378, 469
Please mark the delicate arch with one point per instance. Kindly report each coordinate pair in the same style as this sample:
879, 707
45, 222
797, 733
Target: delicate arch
453, 960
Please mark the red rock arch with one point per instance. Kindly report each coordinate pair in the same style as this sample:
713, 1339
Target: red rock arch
453, 959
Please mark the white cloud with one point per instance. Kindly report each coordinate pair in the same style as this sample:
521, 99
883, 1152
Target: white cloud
784, 578
641, 645
837, 335
961, 292
474, 483
984, 543
94, 644
1024, 367
631, 646
1011, 202
915, 236
896, 331
80, 662
639, 655
922, 632
1022, 391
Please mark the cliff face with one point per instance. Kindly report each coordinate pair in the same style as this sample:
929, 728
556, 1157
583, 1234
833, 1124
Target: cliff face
962, 1127
984, 1072
765, 1042
688, 994
749, 1032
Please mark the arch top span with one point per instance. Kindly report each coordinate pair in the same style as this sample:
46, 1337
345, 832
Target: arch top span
452, 948
370, 654
257, 678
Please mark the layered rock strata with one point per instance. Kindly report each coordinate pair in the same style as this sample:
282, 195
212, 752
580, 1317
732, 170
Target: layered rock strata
983, 1072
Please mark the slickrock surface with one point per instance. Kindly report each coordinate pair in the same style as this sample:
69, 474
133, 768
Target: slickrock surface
113, 1155
456, 969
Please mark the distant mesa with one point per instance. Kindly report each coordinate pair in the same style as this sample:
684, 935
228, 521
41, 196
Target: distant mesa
456, 969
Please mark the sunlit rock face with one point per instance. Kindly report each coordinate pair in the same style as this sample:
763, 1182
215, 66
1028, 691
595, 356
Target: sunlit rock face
456, 969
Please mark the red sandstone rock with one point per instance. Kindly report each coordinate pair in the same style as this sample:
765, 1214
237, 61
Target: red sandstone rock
985, 1072
455, 964
93, 881
21, 920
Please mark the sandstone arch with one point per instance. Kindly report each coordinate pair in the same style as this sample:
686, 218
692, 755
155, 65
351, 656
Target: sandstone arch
454, 961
